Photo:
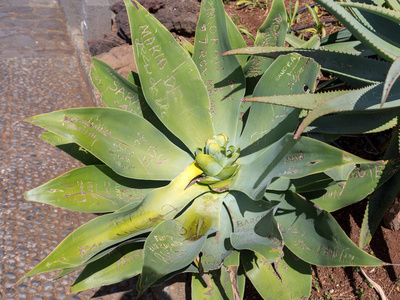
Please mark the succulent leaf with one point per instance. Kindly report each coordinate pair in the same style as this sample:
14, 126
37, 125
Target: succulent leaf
174, 244
254, 226
121, 263
222, 76
379, 45
95, 189
326, 246
288, 278
352, 67
268, 123
135, 150
115, 90
170, 80
104, 231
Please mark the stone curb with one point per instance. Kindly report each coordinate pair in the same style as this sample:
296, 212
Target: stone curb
78, 40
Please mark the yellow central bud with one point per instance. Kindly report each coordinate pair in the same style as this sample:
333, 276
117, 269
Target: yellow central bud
218, 162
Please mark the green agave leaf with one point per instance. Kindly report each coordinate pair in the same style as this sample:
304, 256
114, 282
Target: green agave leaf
170, 80
375, 42
122, 263
271, 33
341, 173
136, 150
104, 231
268, 123
344, 41
304, 101
174, 244
391, 78
354, 123
236, 39
115, 90
189, 48
367, 98
288, 278
95, 189
388, 14
218, 284
223, 76
363, 180
98, 256
70, 148
254, 226
393, 4
217, 247
378, 203
351, 66
133, 78
378, 20
291, 159
315, 237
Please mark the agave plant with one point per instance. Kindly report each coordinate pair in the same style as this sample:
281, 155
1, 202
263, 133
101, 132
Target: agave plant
351, 56
189, 179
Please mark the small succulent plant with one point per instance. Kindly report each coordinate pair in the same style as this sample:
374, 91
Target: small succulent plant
190, 179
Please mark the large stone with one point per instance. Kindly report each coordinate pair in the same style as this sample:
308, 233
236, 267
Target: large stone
105, 43
179, 16
120, 59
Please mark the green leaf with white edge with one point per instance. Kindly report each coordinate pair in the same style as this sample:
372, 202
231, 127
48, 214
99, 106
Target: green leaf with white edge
271, 33
268, 123
218, 285
174, 244
236, 39
391, 79
217, 247
104, 231
351, 66
222, 76
368, 98
289, 158
288, 278
70, 148
122, 263
115, 90
363, 180
95, 189
135, 150
354, 123
304, 101
378, 44
315, 236
170, 79
254, 226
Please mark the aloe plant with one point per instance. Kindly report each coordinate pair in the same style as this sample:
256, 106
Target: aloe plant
191, 180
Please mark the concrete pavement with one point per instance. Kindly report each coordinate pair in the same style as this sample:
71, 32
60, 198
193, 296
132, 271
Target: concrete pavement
40, 73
